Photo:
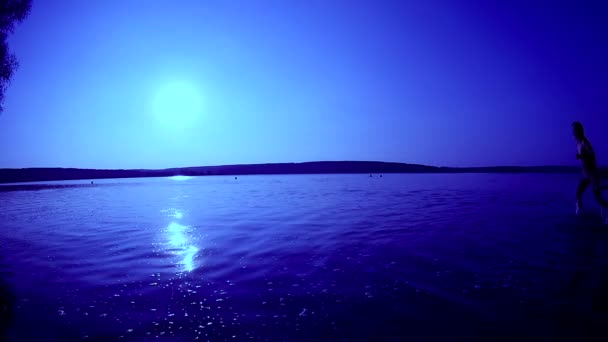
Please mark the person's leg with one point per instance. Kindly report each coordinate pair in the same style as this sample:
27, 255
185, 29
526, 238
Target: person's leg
598, 197
582, 186
597, 192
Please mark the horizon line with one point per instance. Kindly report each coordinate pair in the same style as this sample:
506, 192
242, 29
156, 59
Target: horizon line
279, 163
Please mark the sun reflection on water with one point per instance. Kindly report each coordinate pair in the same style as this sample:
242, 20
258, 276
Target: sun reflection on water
179, 242
180, 178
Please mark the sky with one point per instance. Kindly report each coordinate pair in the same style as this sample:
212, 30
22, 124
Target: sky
158, 84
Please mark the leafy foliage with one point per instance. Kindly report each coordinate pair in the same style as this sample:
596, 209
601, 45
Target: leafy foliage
11, 12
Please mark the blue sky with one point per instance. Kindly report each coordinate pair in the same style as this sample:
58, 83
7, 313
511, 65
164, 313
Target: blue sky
155, 84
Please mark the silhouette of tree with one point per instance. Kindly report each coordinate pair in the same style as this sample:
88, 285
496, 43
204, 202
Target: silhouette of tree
11, 12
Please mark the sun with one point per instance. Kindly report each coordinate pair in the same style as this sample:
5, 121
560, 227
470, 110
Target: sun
177, 105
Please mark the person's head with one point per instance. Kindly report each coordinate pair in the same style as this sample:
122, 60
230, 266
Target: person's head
577, 130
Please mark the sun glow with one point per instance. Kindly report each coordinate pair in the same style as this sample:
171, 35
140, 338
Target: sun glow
177, 105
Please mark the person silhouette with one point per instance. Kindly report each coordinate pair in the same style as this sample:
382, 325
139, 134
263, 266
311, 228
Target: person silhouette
591, 173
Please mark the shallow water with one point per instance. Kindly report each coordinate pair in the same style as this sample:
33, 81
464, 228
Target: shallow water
302, 257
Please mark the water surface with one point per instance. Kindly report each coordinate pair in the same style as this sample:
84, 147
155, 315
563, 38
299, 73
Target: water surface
303, 257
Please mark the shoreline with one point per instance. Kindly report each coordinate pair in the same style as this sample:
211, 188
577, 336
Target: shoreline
26, 175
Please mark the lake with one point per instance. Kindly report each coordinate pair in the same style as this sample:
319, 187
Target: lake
303, 257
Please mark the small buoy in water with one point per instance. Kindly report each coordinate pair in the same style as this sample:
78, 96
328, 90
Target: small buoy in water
234, 177
91, 182
380, 175
370, 175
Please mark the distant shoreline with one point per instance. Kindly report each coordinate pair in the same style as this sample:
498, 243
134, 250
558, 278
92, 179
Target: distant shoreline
322, 167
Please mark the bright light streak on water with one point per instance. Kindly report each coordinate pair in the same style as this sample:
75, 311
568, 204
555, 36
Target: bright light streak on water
180, 243
187, 261
180, 178
178, 215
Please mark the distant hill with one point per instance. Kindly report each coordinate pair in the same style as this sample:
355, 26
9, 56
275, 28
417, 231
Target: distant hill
320, 167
